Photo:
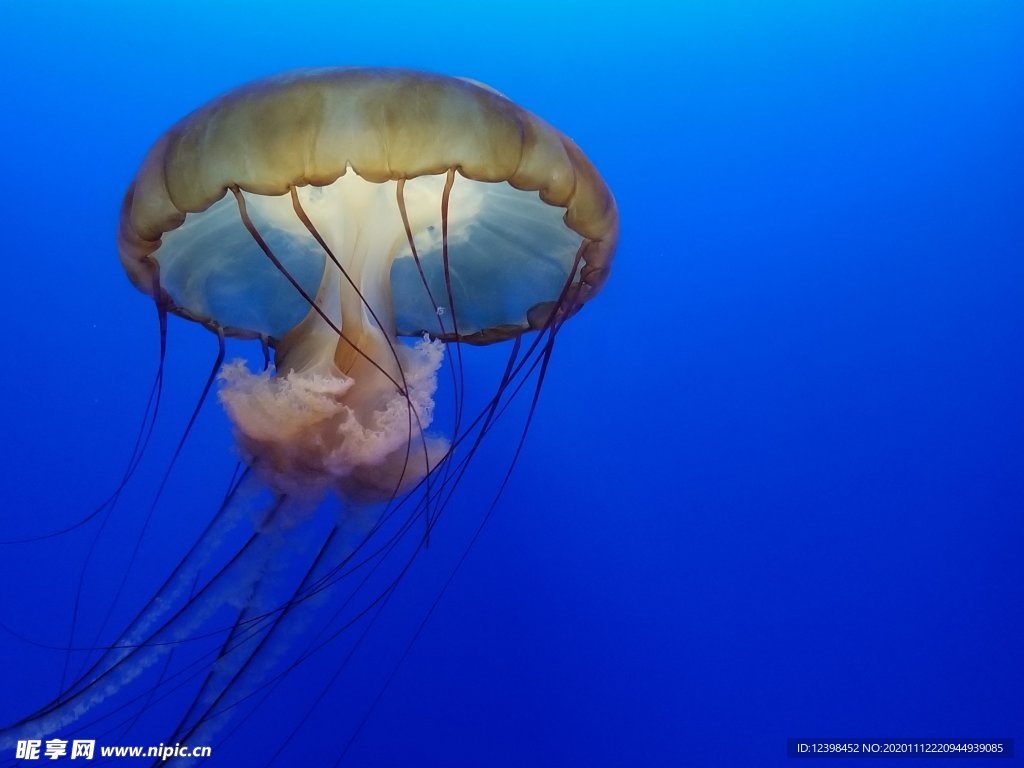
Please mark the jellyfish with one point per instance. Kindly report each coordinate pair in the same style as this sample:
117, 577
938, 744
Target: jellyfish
368, 227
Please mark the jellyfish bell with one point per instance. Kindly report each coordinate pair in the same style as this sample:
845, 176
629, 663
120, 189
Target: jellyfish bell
364, 224
332, 211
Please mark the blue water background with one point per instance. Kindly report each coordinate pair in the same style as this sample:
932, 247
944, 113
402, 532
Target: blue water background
775, 485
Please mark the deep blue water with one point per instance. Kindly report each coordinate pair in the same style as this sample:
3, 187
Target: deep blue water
775, 483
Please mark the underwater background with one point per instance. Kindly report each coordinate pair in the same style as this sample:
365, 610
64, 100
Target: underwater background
775, 484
